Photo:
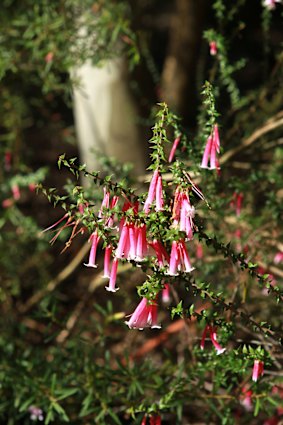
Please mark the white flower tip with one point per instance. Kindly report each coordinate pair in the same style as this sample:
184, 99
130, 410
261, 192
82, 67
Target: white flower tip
220, 351
166, 300
140, 259
156, 327
94, 266
133, 326
109, 289
187, 239
190, 270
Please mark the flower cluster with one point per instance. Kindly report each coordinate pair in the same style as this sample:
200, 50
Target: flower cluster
35, 413
145, 315
212, 148
127, 235
130, 233
155, 231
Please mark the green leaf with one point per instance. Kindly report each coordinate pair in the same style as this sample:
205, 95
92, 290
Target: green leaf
257, 406
178, 310
67, 393
59, 409
114, 417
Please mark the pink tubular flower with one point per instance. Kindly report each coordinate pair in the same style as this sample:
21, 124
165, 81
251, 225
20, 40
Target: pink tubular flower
185, 265
159, 195
32, 187
199, 251
155, 193
82, 207
151, 192
174, 260
179, 259
211, 149
16, 192
143, 422
132, 252
186, 216
94, 238
105, 202
237, 202
202, 342
213, 338
123, 244
138, 243
7, 203
110, 221
107, 259
127, 205
141, 243
113, 275
258, 370
134, 205
132, 244
278, 258
216, 344
246, 399
173, 149
49, 57
213, 48
166, 293
161, 253
8, 160
144, 316
106, 205
183, 212
238, 236
155, 420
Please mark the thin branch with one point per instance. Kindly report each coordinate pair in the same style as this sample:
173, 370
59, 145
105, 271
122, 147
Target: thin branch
94, 284
52, 285
269, 125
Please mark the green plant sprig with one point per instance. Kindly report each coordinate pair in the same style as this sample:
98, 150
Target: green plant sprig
240, 259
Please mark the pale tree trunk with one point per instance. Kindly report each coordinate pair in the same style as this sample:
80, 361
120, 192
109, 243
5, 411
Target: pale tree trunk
105, 116
178, 81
